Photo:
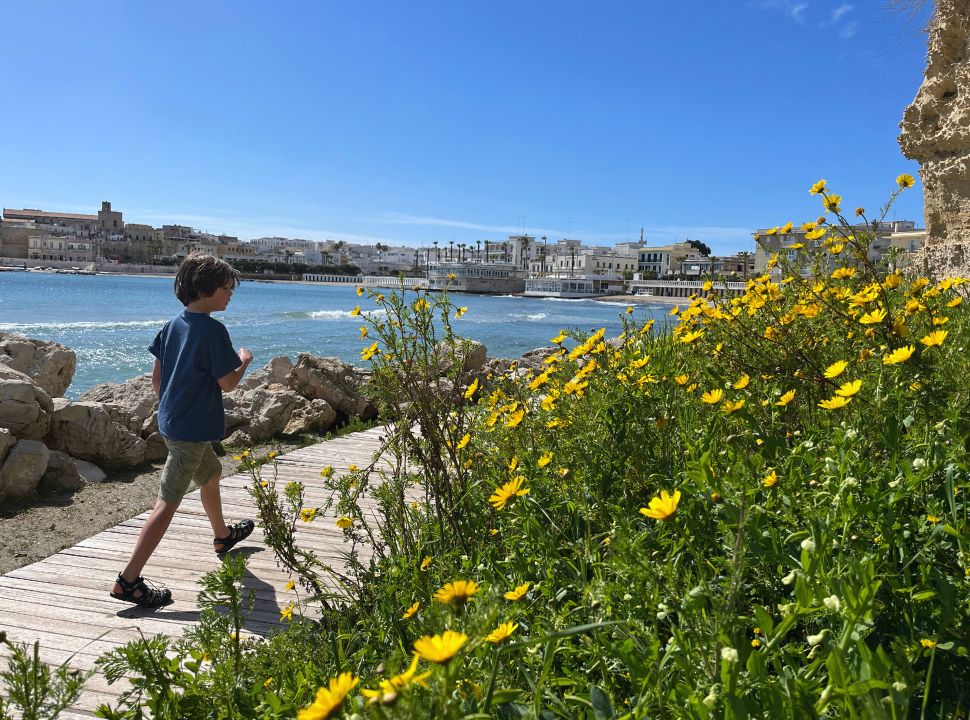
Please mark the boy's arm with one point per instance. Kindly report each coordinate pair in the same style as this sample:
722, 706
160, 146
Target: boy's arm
229, 381
157, 376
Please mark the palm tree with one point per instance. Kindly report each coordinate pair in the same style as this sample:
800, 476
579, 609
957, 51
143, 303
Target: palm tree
479, 243
451, 247
437, 256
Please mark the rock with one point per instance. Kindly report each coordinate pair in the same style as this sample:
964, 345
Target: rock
130, 403
8, 373
276, 371
310, 416
936, 126
49, 364
470, 353
89, 472
25, 409
22, 470
86, 431
240, 438
535, 359
155, 447
333, 380
61, 475
6, 442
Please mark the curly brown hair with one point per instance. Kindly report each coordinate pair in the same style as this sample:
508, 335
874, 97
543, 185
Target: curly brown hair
201, 275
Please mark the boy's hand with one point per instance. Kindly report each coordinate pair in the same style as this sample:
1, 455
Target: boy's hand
245, 356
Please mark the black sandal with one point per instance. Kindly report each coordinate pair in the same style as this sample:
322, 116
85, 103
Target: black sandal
237, 533
150, 597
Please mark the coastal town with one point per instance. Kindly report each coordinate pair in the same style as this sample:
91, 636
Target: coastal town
517, 264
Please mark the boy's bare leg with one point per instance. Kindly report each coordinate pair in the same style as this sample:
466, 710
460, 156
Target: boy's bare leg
151, 534
211, 497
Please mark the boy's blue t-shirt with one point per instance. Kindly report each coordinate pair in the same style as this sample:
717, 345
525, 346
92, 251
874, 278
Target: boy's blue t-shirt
195, 351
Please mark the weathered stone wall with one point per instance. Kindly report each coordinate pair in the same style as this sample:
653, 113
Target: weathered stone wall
936, 126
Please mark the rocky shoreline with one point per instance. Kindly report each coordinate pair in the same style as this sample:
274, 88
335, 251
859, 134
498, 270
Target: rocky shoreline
69, 469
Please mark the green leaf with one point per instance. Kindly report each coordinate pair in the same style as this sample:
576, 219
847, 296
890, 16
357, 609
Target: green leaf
602, 707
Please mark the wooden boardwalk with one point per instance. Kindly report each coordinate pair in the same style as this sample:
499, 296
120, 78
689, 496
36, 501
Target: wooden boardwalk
63, 601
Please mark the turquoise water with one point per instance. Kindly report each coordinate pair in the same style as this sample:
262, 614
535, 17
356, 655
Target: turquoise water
110, 320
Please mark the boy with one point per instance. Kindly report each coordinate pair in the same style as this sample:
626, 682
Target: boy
194, 364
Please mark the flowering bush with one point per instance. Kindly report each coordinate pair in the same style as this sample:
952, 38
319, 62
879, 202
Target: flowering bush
759, 510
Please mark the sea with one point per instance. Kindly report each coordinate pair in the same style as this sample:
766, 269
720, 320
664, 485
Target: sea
110, 320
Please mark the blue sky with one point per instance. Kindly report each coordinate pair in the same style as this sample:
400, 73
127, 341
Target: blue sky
408, 122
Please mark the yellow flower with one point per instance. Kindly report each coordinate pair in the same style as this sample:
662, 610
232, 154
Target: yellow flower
741, 383
770, 479
935, 338
712, 397
662, 507
691, 336
771, 231
509, 491
955, 302
933, 519
730, 407
674, 310
835, 369
457, 592
356, 311
287, 612
513, 463
834, 403
426, 562
899, 355
466, 438
471, 389
849, 389
502, 632
559, 338
369, 352
460, 311
344, 522
421, 304
928, 644
892, 281
515, 418
327, 471
549, 403
544, 459
681, 379
440, 648
411, 611
905, 181
289, 586
832, 202
360, 291
307, 515
817, 187
873, 317
842, 273
837, 248
786, 398
937, 321
272, 454
518, 593
330, 698
629, 310
389, 689
796, 246
352, 468
786, 228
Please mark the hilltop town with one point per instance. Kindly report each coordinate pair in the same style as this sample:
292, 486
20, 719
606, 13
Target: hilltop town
527, 264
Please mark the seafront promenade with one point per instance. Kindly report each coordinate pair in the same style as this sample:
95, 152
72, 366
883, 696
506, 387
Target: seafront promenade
62, 601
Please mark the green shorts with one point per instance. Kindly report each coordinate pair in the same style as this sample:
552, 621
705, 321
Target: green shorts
187, 461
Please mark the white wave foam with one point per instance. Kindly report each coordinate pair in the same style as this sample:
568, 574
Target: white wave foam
566, 300
529, 316
614, 304
101, 325
342, 314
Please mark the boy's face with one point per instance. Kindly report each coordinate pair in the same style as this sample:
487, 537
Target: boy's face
219, 300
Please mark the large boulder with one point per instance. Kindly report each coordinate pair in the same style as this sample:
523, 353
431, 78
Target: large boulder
470, 353
49, 364
22, 470
130, 403
86, 430
25, 409
275, 372
275, 409
333, 380
61, 475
